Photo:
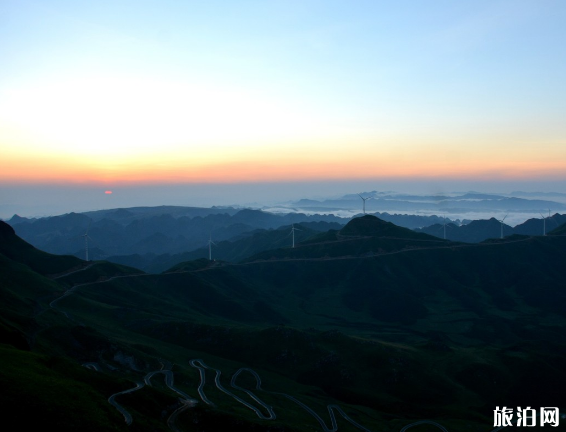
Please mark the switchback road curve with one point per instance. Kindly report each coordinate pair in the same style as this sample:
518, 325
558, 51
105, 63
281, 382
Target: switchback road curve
201, 366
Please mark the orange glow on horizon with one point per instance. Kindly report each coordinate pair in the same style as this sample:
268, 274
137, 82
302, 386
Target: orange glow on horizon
285, 169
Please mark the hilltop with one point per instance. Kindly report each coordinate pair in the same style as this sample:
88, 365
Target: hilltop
362, 236
373, 226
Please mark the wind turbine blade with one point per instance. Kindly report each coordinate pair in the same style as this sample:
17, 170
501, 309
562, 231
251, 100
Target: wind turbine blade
93, 240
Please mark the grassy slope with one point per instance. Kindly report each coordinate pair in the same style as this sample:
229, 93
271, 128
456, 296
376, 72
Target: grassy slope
444, 333
40, 391
18, 250
425, 339
561, 230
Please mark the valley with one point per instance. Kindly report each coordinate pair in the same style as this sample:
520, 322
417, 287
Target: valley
363, 324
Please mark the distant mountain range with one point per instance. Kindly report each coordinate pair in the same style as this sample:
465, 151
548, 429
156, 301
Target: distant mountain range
236, 249
480, 230
156, 238
148, 230
476, 202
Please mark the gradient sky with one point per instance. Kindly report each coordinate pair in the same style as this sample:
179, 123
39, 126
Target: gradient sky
125, 93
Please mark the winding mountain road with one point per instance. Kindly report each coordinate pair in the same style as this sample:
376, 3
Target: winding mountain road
201, 366
186, 400
318, 259
112, 399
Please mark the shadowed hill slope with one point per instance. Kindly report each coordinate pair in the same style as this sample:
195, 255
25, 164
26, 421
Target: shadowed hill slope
39, 389
363, 236
373, 226
13, 247
388, 323
487, 310
233, 250
561, 230
32, 278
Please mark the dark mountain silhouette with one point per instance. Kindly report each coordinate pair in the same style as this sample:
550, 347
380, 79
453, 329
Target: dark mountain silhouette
373, 226
392, 325
127, 215
57, 390
14, 248
143, 230
413, 221
480, 230
363, 236
236, 249
535, 226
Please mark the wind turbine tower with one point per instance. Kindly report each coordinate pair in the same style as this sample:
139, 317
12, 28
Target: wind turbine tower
364, 200
210, 243
501, 221
86, 236
293, 229
86, 246
544, 222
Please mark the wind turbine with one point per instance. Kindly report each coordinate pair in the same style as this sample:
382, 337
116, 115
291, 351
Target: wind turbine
210, 243
443, 227
544, 222
293, 229
364, 200
502, 224
86, 236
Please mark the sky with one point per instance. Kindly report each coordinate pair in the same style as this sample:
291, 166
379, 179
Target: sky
191, 102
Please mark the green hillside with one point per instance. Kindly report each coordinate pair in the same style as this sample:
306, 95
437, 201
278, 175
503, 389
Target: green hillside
14, 248
561, 230
391, 325
40, 390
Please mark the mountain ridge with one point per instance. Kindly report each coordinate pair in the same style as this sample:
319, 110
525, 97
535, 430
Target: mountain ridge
391, 329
